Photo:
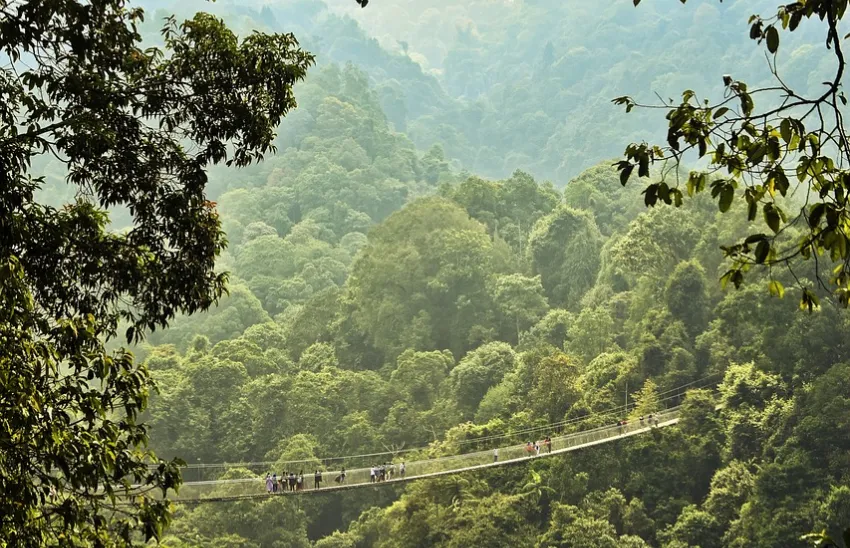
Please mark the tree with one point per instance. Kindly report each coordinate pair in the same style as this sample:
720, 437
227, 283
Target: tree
135, 130
421, 281
592, 333
419, 374
520, 298
647, 400
686, 296
760, 152
478, 371
553, 388
551, 329
571, 527
564, 249
695, 527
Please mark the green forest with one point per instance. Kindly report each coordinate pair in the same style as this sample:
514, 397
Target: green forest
437, 250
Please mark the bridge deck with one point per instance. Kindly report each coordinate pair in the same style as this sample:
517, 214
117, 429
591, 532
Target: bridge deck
253, 488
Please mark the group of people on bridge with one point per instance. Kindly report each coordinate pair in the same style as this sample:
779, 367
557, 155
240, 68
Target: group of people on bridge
651, 420
289, 481
292, 482
531, 448
385, 471
534, 448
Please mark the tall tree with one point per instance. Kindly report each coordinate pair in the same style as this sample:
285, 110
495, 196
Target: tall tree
135, 129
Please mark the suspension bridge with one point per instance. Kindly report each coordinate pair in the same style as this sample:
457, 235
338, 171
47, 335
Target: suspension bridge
499, 453
251, 488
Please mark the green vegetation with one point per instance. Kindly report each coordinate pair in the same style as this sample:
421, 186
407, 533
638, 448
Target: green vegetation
134, 129
438, 256
756, 153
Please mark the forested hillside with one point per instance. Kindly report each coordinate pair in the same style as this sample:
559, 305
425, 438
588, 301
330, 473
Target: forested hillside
527, 85
383, 296
440, 249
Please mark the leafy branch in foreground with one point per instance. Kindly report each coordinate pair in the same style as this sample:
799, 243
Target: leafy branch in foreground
760, 157
824, 540
135, 129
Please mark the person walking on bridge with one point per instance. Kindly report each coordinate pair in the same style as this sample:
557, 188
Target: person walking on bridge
495, 454
401, 469
318, 479
269, 483
299, 483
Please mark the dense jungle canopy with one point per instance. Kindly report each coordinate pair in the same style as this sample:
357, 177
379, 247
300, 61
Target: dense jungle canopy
405, 226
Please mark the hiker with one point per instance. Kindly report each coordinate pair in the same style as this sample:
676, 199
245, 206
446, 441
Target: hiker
495, 454
390, 471
401, 469
342, 475
641, 420
269, 483
372, 474
274, 482
300, 481
318, 479
528, 449
548, 443
536, 448
292, 481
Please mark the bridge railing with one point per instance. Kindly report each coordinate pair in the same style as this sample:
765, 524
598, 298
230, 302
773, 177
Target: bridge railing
427, 467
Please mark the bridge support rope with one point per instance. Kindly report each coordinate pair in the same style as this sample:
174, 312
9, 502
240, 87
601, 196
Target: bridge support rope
430, 468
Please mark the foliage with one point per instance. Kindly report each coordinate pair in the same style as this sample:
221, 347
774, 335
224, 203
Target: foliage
385, 298
134, 129
761, 152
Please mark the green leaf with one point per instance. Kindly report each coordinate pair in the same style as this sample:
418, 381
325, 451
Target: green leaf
776, 289
771, 217
816, 213
752, 210
762, 251
643, 168
650, 195
785, 130
720, 112
625, 173
727, 195
809, 301
772, 36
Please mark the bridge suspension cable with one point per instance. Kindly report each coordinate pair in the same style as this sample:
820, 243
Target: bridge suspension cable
255, 488
618, 411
